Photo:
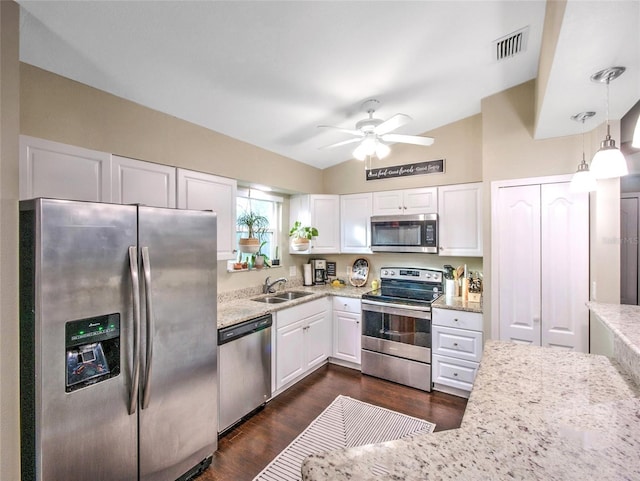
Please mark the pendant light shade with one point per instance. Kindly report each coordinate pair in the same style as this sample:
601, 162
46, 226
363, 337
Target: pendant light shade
583, 180
608, 161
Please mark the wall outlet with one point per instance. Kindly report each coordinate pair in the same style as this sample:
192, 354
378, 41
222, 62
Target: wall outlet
293, 271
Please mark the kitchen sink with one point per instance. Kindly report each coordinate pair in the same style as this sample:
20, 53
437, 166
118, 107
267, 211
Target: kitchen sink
270, 300
282, 297
290, 295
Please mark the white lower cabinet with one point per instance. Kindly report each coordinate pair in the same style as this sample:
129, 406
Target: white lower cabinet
303, 340
456, 350
347, 331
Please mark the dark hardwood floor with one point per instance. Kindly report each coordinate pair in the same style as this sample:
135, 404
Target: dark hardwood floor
244, 451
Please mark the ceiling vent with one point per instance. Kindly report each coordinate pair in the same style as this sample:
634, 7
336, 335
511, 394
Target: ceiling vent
511, 44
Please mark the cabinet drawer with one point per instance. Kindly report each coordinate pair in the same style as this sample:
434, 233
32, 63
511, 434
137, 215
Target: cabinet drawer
452, 372
459, 319
346, 304
458, 343
302, 311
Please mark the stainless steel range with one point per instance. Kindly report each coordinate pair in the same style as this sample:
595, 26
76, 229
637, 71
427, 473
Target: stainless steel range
396, 327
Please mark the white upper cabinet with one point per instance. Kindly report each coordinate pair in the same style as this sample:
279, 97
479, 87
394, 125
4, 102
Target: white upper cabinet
355, 223
200, 191
321, 212
52, 169
407, 201
138, 182
460, 220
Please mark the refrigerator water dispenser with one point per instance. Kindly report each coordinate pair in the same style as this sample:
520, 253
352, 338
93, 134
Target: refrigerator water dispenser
92, 350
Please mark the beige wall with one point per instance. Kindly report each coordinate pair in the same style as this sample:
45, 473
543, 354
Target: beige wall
459, 143
9, 350
56, 108
510, 152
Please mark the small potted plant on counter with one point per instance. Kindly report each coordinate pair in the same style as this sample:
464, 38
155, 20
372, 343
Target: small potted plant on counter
301, 236
253, 223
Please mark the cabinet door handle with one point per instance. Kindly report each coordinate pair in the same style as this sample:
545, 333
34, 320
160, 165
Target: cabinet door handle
455, 344
536, 320
455, 374
455, 319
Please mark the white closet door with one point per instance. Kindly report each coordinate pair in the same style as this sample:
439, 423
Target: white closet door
565, 267
629, 250
519, 269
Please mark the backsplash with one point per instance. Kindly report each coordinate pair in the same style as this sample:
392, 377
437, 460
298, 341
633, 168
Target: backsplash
252, 291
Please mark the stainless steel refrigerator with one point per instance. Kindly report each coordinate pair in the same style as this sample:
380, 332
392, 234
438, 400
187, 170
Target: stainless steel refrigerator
118, 341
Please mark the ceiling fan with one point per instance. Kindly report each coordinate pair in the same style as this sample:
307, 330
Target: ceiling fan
373, 134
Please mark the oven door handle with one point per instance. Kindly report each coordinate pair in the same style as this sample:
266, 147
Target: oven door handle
397, 309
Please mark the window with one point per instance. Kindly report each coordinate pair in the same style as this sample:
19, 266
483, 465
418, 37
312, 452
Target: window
270, 206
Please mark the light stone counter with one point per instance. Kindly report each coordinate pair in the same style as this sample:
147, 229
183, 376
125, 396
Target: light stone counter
237, 306
624, 323
534, 414
457, 303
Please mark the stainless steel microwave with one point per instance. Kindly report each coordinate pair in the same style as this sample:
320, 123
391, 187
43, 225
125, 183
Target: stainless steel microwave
405, 233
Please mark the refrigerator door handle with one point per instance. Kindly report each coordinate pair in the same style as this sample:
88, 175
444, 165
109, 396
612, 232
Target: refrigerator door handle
146, 267
135, 290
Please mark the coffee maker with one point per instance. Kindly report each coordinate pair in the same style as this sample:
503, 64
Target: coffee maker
319, 271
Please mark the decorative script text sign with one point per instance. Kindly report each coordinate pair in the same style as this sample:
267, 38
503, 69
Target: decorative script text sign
418, 168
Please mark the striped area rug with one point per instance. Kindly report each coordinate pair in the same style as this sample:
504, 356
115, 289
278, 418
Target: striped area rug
345, 423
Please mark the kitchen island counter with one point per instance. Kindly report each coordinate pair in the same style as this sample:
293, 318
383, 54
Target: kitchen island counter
534, 413
234, 311
624, 323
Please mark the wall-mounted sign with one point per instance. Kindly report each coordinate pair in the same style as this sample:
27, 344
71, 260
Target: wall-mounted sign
418, 168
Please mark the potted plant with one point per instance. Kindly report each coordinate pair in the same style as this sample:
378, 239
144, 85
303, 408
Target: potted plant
253, 222
301, 236
260, 259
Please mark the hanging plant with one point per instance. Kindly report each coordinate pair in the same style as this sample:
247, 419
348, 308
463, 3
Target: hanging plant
254, 223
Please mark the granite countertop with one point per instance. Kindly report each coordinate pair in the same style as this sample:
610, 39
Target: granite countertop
534, 414
624, 322
233, 311
457, 303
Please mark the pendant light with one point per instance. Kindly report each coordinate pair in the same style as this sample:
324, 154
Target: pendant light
608, 161
583, 180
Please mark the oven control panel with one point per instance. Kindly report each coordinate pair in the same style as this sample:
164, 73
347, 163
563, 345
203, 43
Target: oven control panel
411, 274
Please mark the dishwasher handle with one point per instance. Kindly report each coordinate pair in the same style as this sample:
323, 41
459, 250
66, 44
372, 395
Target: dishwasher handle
231, 333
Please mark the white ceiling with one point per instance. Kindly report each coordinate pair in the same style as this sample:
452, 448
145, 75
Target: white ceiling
269, 72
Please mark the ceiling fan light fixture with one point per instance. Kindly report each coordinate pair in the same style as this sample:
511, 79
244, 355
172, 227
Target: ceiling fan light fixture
360, 153
382, 150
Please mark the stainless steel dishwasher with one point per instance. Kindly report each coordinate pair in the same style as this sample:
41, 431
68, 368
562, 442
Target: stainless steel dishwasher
244, 369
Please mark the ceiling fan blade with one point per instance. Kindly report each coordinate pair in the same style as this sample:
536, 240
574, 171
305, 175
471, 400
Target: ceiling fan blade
339, 144
348, 131
398, 120
408, 139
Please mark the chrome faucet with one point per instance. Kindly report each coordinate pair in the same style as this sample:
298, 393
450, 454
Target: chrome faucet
267, 287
